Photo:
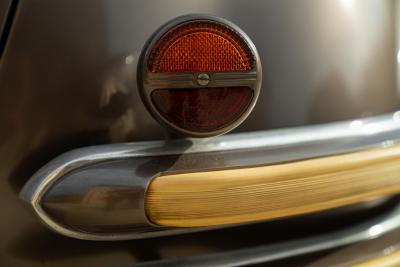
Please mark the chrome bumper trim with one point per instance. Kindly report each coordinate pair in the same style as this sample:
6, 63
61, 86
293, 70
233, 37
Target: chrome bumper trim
93, 179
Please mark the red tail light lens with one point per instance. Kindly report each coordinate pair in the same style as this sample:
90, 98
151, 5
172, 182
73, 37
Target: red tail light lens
200, 77
205, 109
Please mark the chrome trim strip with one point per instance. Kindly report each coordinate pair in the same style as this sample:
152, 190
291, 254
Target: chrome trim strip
188, 80
371, 229
132, 166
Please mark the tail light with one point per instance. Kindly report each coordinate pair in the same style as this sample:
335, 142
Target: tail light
200, 76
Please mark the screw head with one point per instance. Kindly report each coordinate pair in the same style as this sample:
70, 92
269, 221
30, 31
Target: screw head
203, 79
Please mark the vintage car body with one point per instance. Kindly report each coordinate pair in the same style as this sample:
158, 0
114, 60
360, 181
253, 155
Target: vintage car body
330, 87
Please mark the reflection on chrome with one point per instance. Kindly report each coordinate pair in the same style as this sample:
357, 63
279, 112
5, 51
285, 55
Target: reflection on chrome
371, 128
357, 124
375, 230
388, 143
396, 116
389, 250
398, 57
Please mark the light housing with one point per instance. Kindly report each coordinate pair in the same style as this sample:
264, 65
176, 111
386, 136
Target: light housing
199, 76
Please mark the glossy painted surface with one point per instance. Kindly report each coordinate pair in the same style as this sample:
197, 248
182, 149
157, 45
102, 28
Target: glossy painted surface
4, 8
67, 80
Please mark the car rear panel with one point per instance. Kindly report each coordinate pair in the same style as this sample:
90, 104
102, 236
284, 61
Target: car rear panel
68, 80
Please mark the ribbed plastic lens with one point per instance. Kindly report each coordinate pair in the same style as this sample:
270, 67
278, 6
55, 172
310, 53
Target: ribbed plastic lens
204, 109
200, 46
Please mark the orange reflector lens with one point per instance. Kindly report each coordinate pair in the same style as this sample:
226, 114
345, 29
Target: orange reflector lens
205, 109
199, 46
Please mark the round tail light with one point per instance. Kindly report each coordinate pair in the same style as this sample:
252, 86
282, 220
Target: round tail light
199, 76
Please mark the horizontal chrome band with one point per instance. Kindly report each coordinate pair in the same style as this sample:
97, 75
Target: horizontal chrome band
99, 192
188, 80
373, 228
